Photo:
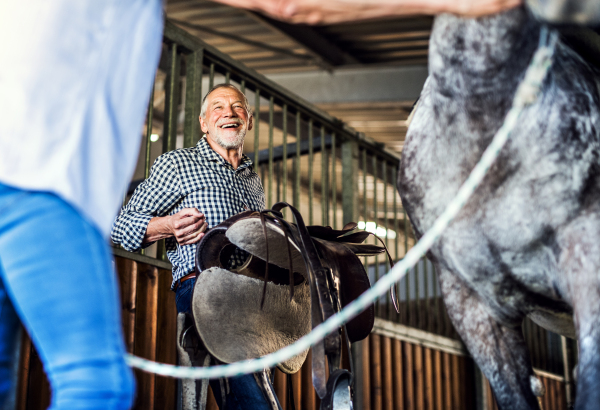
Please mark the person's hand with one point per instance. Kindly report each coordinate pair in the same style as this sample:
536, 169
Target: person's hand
338, 11
187, 226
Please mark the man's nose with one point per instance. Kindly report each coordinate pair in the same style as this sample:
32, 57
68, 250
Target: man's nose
229, 112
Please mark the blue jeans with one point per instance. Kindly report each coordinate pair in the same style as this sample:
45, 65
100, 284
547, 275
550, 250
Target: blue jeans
244, 391
56, 277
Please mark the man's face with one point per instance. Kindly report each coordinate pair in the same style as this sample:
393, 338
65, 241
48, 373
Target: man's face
226, 119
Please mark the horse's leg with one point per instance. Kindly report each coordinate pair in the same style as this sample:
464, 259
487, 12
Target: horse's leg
580, 281
499, 351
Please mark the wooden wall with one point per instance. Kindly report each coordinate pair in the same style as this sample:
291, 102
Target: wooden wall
391, 373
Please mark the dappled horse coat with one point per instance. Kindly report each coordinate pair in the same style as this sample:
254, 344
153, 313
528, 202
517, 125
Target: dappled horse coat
528, 241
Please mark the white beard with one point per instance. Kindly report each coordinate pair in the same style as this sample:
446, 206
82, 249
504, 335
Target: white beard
230, 143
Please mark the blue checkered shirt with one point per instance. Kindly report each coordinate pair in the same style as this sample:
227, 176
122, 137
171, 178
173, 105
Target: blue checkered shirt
194, 177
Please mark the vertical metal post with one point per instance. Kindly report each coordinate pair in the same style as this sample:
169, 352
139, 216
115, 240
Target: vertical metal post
193, 98
324, 190
271, 113
285, 156
567, 371
364, 207
243, 87
311, 183
297, 162
334, 181
170, 121
227, 75
397, 231
211, 76
376, 220
384, 172
407, 310
256, 126
349, 182
171, 100
149, 134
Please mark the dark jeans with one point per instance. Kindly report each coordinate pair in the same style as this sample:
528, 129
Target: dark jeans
245, 392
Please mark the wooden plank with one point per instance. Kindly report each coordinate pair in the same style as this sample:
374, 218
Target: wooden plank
398, 370
386, 365
24, 368
127, 274
438, 372
419, 377
145, 333
366, 386
429, 384
409, 395
166, 343
447, 381
211, 402
297, 387
456, 403
307, 389
280, 387
375, 371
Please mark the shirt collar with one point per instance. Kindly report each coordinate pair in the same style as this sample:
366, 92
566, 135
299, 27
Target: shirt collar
206, 152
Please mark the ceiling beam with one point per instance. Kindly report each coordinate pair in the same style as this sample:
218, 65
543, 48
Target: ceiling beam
308, 37
356, 85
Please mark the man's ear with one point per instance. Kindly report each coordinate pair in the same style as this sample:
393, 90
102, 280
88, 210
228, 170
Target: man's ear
203, 125
250, 123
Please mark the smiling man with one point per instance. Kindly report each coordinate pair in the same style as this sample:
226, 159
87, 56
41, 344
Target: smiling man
190, 190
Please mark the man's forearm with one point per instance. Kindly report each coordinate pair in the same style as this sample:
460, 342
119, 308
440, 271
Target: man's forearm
158, 228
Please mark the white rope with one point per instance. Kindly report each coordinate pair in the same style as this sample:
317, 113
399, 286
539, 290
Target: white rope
526, 94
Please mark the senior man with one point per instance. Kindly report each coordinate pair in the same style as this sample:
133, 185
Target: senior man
189, 190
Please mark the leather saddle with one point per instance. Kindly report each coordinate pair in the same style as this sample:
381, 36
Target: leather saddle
287, 279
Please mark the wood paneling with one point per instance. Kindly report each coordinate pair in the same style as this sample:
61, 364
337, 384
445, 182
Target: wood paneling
397, 374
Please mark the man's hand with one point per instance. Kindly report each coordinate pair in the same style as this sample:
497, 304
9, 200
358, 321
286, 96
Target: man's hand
339, 11
187, 226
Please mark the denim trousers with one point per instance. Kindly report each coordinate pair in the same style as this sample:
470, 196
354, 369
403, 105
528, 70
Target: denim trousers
57, 278
245, 393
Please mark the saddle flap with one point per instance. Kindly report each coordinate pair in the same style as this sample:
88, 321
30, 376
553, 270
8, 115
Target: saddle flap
227, 315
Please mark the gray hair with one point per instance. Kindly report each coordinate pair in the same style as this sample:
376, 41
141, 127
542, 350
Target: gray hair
224, 85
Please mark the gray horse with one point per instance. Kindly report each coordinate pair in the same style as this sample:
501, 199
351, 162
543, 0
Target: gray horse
528, 242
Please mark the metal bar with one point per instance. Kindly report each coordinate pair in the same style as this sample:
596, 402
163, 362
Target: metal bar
256, 125
324, 190
426, 316
333, 181
285, 157
270, 193
416, 314
389, 306
396, 230
149, 134
310, 171
375, 219
350, 193
193, 98
227, 74
172, 100
407, 309
211, 76
364, 207
297, 163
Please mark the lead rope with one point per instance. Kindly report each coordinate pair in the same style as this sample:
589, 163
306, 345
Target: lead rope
526, 94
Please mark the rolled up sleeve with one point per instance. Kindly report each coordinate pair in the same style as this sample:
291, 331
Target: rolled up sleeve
156, 196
